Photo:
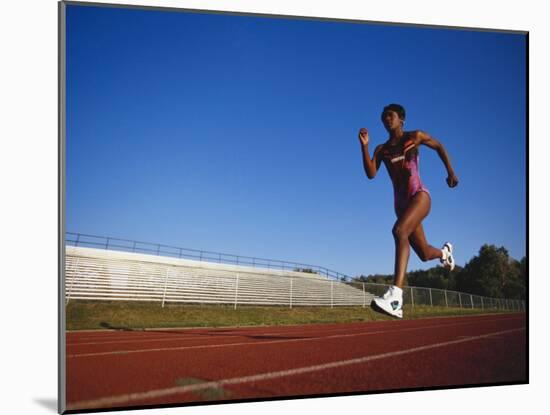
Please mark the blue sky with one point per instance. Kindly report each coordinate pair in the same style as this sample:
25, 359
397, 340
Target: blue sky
239, 134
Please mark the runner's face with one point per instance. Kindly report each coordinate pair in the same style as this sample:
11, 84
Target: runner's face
392, 121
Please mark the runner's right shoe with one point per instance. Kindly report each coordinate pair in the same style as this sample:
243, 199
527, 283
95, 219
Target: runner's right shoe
391, 302
448, 260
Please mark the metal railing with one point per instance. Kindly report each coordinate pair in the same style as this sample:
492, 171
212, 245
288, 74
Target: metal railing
412, 295
90, 276
448, 298
126, 245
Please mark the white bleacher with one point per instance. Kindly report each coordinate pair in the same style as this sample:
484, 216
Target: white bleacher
97, 274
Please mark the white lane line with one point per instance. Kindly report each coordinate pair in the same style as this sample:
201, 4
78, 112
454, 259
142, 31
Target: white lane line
159, 393
215, 332
168, 339
209, 336
238, 333
215, 346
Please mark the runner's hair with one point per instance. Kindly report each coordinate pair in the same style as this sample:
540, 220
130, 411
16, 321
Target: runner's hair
394, 107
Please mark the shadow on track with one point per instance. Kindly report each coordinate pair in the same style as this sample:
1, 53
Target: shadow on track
106, 325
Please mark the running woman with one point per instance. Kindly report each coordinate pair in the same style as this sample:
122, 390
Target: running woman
412, 200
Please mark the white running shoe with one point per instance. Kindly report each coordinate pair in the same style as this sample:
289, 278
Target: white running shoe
448, 261
391, 302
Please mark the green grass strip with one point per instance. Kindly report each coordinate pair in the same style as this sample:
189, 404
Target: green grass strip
118, 315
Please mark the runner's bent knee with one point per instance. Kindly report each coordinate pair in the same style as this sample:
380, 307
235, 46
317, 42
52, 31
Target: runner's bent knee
401, 231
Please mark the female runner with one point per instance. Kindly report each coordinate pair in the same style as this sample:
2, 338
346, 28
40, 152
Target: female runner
411, 199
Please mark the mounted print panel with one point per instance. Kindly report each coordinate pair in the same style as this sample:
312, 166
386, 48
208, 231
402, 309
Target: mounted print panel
262, 207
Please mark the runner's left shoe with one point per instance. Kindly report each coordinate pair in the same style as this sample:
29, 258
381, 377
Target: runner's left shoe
448, 260
391, 302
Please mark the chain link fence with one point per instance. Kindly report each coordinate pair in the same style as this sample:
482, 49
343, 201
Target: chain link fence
447, 298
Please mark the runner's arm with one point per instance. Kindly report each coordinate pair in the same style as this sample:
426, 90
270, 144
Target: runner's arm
421, 137
371, 166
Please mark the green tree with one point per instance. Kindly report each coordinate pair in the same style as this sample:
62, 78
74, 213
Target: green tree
375, 278
492, 273
516, 286
306, 270
435, 277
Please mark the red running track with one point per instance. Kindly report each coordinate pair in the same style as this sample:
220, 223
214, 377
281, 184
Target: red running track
107, 369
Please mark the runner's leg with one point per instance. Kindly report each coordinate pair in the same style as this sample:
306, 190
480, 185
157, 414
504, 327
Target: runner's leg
406, 224
425, 251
